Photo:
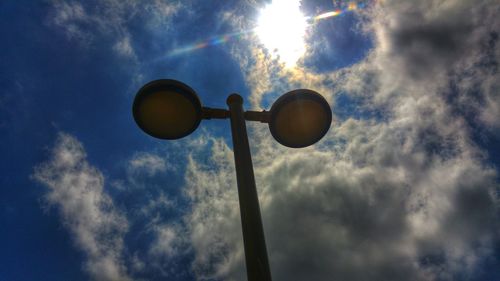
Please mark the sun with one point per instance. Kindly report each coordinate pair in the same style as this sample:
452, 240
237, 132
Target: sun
281, 29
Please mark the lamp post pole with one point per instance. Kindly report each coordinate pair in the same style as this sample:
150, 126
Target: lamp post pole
253, 232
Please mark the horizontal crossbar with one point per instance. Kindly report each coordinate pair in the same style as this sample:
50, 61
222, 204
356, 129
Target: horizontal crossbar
218, 113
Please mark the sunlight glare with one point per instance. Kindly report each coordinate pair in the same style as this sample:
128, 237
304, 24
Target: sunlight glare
281, 28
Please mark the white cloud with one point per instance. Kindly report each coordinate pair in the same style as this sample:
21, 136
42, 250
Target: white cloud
109, 18
213, 224
71, 15
124, 47
77, 190
165, 240
154, 205
445, 51
147, 162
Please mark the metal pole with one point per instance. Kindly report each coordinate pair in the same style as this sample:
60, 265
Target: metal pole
253, 231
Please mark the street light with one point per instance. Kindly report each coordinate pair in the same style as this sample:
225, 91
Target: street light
169, 109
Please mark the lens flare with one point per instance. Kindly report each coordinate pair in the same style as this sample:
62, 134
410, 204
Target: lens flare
216, 40
350, 7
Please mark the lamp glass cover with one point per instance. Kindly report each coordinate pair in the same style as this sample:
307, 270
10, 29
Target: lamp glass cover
300, 118
167, 109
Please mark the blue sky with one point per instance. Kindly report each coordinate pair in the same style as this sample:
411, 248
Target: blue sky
403, 187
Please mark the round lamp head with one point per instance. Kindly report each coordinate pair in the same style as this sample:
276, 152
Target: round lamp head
167, 109
300, 118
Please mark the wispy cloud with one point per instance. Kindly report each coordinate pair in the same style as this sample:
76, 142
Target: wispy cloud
76, 189
165, 241
87, 24
148, 163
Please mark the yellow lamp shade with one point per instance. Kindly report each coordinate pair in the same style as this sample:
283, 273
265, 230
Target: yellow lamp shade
300, 118
167, 109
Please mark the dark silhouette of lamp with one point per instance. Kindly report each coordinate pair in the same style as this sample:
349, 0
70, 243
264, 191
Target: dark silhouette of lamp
169, 109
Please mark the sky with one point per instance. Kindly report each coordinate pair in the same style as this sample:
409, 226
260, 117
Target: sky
404, 186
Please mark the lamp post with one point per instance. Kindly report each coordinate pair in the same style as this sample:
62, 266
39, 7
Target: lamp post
169, 109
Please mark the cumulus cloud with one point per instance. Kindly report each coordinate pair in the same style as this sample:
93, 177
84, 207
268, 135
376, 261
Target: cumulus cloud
392, 214
440, 50
77, 190
406, 195
378, 211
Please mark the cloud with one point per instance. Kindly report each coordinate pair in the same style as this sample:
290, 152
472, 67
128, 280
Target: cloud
148, 163
390, 213
375, 214
405, 195
77, 190
213, 222
124, 47
154, 205
72, 16
164, 243
444, 51
96, 23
